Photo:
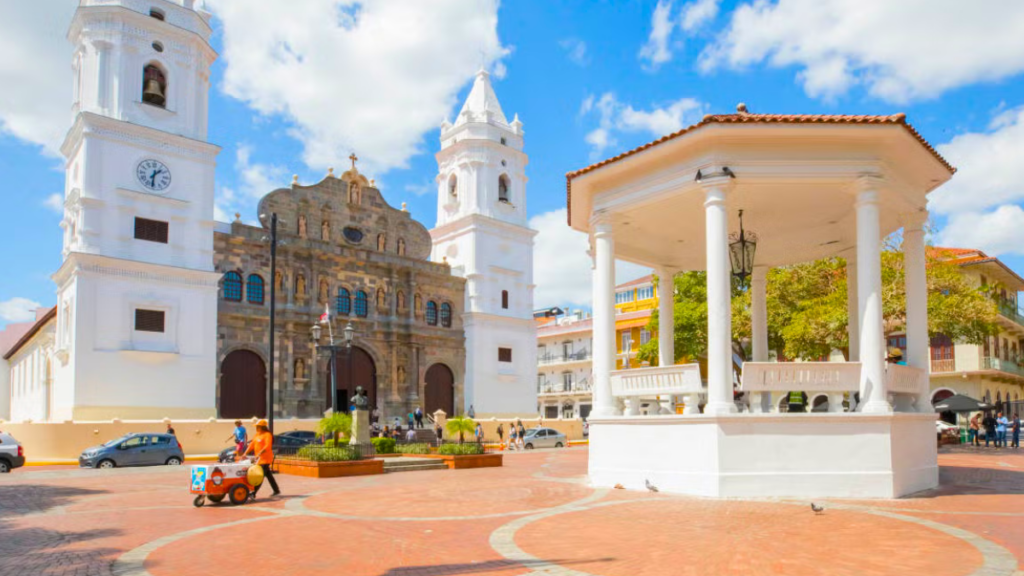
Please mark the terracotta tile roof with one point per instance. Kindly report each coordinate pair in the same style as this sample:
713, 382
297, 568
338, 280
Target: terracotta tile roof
971, 256
642, 280
36, 327
744, 117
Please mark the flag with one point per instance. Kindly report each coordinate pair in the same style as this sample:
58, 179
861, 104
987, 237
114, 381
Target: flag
326, 316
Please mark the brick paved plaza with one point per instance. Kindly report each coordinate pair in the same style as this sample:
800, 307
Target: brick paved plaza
534, 515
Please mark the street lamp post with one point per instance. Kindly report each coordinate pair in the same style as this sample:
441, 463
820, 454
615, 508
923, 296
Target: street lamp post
315, 333
273, 311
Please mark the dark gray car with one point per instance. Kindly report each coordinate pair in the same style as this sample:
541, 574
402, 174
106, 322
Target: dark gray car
140, 449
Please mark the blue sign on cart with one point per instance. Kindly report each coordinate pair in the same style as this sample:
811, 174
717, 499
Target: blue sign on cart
199, 478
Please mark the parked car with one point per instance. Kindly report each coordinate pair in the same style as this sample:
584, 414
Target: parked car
307, 435
283, 445
12, 455
139, 449
543, 438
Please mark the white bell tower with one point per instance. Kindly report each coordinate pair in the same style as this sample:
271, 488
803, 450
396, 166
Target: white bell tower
482, 233
137, 292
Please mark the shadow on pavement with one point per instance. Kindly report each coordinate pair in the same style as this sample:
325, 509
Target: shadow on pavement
21, 499
481, 567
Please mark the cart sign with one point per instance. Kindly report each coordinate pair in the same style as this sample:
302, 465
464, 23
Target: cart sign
199, 478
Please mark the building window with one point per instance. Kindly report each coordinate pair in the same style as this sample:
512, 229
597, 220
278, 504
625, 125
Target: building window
149, 320
627, 341
623, 297
567, 349
232, 287
645, 293
432, 313
151, 230
158, 14
504, 189
503, 141
645, 336
453, 186
343, 303
504, 299
446, 315
361, 307
566, 381
254, 289
154, 86
504, 354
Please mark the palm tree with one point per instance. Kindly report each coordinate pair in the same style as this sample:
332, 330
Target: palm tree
460, 425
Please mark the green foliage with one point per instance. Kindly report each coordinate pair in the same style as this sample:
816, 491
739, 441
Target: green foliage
460, 425
383, 445
460, 449
420, 448
334, 425
326, 453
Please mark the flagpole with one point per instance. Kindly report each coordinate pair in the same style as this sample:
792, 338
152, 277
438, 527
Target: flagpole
334, 359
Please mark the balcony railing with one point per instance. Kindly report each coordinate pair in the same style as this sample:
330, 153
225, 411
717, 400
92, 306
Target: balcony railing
1009, 366
1009, 310
948, 365
578, 387
562, 358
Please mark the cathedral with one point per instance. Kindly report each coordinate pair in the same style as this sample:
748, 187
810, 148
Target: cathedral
164, 312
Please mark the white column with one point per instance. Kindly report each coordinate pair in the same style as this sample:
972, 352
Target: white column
666, 330
916, 288
873, 393
604, 318
759, 330
719, 303
853, 316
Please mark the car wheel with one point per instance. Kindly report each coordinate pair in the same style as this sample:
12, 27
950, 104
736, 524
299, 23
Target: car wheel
238, 494
5, 466
529, 446
558, 444
173, 461
215, 498
106, 464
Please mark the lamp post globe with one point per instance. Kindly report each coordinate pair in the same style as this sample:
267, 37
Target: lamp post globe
349, 334
315, 332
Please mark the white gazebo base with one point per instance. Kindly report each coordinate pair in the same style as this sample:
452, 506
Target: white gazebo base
817, 455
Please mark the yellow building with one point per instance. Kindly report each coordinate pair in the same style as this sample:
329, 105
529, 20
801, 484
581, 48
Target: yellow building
634, 303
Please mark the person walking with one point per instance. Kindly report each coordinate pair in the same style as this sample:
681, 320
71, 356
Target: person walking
170, 429
797, 402
974, 429
240, 436
989, 424
410, 435
1001, 423
439, 432
1015, 431
479, 433
471, 413
419, 417
521, 434
501, 434
262, 448
512, 435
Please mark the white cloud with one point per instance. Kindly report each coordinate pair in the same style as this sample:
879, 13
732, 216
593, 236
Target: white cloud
18, 310
561, 266
696, 14
55, 202
421, 189
255, 181
656, 51
1000, 231
370, 76
900, 51
35, 72
614, 116
576, 50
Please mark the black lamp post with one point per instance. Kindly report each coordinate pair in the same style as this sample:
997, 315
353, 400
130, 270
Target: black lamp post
315, 333
741, 252
349, 334
273, 311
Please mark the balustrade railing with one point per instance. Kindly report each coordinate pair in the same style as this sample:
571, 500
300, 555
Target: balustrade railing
1009, 310
831, 378
1010, 366
580, 386
562, 358
947, 365
656, 381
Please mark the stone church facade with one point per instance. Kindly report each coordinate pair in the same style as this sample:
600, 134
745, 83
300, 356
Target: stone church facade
341, 248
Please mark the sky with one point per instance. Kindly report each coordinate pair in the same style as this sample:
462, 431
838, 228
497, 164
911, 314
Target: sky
300, 85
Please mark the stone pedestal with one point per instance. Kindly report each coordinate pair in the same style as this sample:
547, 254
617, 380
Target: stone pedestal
360, 428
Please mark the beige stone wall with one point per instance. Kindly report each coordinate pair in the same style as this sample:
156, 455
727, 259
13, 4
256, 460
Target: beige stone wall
46, 441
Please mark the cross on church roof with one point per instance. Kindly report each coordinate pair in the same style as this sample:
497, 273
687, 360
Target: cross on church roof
353, 158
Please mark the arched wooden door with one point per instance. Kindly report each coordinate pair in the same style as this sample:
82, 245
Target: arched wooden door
355, 368
440, 390
243, 385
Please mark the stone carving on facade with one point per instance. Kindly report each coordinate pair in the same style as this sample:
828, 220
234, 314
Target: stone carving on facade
300, 369
401, 246
325, 231
323, 292
382, 242
381, 299
300, 285
302, 226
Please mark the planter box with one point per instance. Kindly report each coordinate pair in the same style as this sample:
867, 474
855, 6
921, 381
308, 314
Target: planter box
463, 462
330, 469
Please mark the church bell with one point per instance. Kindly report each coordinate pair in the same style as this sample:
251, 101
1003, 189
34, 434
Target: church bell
154, 93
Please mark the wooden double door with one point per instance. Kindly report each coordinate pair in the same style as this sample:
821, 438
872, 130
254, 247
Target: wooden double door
353, 368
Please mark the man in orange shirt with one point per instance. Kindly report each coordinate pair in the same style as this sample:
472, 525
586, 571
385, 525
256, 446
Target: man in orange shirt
262, 446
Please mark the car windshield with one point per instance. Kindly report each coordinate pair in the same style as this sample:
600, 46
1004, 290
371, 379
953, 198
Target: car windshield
116, 441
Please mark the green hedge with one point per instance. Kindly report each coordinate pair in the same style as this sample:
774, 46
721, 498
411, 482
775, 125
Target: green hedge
332, 444
383, 445
413, 448
316, 453
460, 449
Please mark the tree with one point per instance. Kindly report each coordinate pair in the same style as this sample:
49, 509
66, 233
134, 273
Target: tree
460, 425
336, 424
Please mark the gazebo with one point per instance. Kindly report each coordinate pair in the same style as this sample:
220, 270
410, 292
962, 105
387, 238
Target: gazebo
809, 187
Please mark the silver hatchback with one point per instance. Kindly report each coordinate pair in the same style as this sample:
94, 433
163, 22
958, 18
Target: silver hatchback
543, 438
138, 449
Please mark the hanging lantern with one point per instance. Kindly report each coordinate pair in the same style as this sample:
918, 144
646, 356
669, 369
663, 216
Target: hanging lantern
741, 252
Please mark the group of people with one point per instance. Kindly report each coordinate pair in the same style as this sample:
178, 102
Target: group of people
995, 429
516, 433
261, 447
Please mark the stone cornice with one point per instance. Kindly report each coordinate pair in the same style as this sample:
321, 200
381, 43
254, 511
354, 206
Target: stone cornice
95, 10
84, 263
136, 135
473, 221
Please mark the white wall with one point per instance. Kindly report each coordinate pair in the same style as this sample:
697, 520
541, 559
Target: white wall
31, 379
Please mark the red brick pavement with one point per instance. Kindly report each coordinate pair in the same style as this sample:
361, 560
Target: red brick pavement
537, 513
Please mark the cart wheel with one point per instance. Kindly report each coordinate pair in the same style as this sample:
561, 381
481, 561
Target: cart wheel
238, 494
216, 499
199, 501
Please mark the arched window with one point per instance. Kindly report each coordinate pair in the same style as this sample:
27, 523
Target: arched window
254, 289
504, 189
446, 315
401, 246
504, 299
432, 313
401, 301
154, 86
382, 242
343, 305
232, 288
361, 307
453, 186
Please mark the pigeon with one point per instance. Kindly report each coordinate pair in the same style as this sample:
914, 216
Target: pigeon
817, 509
620, 487
650, 486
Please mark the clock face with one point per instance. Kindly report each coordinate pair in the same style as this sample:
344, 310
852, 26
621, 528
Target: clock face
153, 175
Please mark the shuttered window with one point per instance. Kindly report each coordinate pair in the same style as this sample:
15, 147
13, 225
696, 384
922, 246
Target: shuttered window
504, 354
149, 320
151, 230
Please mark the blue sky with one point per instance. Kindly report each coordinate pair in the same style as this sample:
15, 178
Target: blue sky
589, 79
